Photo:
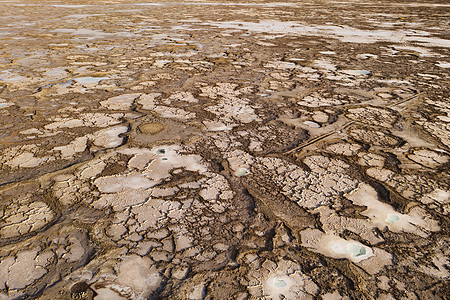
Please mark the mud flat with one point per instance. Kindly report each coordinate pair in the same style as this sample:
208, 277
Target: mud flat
224, 150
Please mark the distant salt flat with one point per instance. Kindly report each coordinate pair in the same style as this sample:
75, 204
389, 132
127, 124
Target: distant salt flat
272, 4
70, 6
343, 33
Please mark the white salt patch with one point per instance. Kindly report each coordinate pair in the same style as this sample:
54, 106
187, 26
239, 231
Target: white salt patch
320, 116
148, 100
109, 137
27, 160
173, 112
166, 158
115, 184
421, 50
122, 102
198, 292
444, 118
133, 151
356, 72
349, 249
444, 65
282, 65
384, 95
148, 4
312, 124
280, 280
11, 77
325, 64
55, 73
80, 16
234, 109
161, 63
429, 158
366, 56
69, 6
87, 119
139, 274
266, 44
278, 284
140, 160
372, 260
437, 195
127, 198
270, 4
184, 96
332, 296
156, 165
76, 146
382, 215
240, 160
89, 80
217, 126
68, 123
428, 75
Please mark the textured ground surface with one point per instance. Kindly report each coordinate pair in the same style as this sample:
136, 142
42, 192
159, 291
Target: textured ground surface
229, 150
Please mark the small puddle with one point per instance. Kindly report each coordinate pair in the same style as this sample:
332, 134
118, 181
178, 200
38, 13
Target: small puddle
391, 218
356, 250
241, 172
279, 283
357, 72
3, 105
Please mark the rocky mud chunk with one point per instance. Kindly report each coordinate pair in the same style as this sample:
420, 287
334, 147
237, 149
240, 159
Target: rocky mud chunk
24, 217
43, 259
344, 149
429, 158
271, 138
373, 116
374, 137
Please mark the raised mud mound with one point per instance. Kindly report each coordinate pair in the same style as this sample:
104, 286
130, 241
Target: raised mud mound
224, 150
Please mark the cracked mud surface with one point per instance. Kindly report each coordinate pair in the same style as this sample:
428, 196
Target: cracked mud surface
224, 150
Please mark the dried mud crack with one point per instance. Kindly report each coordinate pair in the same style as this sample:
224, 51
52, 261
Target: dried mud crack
224, 150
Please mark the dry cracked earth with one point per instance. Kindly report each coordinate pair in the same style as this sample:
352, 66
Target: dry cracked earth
224, 150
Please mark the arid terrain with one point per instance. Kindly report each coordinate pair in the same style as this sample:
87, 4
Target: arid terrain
224, 150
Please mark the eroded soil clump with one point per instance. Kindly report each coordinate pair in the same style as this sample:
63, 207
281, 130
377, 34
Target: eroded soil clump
229, 150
